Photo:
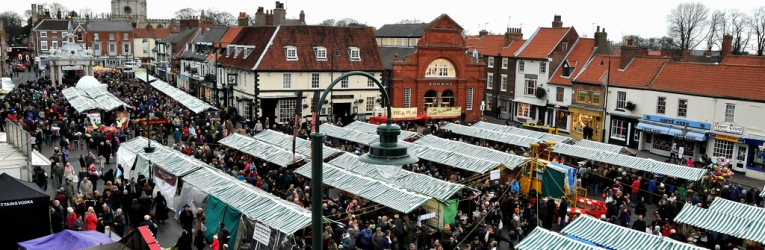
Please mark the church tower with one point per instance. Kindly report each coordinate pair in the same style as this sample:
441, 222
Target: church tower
123, 9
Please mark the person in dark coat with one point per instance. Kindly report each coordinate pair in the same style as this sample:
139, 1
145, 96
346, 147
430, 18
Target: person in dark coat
199, 240
186, 218
640, 207
148, 223
135, 213
550, 216
639, 224
184, 242
55, 221
160, 206
562, 209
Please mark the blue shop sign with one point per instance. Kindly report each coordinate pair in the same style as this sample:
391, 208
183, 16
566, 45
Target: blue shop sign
678, 122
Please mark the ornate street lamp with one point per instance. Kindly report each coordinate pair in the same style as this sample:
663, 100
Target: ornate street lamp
386, 154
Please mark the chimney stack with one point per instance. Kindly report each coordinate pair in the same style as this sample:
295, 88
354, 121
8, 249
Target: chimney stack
302, 17
687, 55
87, 19
279, 14
602, 43
513, 34
243, 20
630, 51
726, 46
482, 33
557, 23
260, 17
58, 14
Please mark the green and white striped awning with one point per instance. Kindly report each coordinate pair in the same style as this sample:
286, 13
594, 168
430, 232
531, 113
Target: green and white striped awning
610, 235
755, 232
541, 238
368, 188
261, 150
348, 135
189, 101
451, 159
711, 220
523, 132
605, 147
670, 244
738, 210
516, 140
284, 141
210, 179
170, 160
92, 98
369, 128
407, 180
510, 161
637, 163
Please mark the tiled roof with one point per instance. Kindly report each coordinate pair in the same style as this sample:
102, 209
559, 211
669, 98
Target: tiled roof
247, 36
639, 72
339, 39
542, 43
53, 24
728, 81
415, 30
230, 35
389, 53
577, 57
95, 26
744, 60
595, 73
488, 45
513, 47
150, 33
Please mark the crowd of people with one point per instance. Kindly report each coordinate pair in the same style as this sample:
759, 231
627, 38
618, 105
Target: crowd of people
489, 213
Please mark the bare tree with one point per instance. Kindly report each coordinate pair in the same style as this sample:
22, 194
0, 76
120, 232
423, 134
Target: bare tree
716, 27
220, 18
740, 29
410, 21
758, 28
328, 22
14, 25
54, 7
186, 13
687, 24
86, 12
348, 22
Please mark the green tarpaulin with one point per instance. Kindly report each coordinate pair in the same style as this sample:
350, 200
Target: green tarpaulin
231, 222
214, 215
450, 211
553, 181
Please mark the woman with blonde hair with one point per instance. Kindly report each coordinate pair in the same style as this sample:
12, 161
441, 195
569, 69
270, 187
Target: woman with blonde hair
108, 186
91, 221
69, 173
108, 216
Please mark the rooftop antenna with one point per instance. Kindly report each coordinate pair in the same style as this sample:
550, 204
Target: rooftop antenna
485, 26
593, 27
508, 21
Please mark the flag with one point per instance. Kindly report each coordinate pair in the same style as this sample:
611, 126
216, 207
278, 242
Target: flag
314, 113
298, 111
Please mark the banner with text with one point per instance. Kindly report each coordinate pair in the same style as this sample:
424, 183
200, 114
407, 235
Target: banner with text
404, 113
444, 112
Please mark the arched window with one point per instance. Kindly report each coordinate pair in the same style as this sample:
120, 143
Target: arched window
431, 99
440, 68
447, 98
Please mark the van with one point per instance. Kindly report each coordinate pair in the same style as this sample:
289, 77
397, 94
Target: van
129, 63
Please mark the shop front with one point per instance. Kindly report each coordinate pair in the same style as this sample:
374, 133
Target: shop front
558, 117
660, 133
504, 104
582, 119
746, 152
623, 131
756, 156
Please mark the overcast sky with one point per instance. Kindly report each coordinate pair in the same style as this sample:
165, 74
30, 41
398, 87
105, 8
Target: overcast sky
646, 18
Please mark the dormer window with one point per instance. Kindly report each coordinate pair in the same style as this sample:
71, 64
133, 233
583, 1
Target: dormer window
321, 53
239, 49
354, 53
230, 48
291, 53
247, 51
567, 69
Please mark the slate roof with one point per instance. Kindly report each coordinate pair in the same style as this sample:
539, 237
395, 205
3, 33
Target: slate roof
211, 35
339, 39
488, 45
181, 36
52, 24
151, 33
248, 36
542, 43
595, 73
293, 22
416, 30
577, 57
389, 53
744, 60
639, 72
95, 26
728, 81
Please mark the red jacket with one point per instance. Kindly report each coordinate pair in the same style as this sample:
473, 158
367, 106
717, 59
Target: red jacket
635, 187
70, 220
91, 222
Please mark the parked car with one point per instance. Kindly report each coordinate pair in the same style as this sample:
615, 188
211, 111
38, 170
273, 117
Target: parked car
20, 67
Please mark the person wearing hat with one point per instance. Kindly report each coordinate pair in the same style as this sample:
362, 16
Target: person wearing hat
186, 218
345, 242
476, 244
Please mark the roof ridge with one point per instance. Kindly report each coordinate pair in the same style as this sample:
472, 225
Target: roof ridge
656, 75
527, 42
565, 59
559, 40
268, 45
586, 65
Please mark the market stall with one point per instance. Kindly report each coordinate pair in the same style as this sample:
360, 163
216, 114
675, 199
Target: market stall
612, 236
189, 101
372, 129
84, 100
541, 238
261, 150
67, 240
743, 226
23, 211
522, 132
510, 139
284, 141
510, 161
348, 135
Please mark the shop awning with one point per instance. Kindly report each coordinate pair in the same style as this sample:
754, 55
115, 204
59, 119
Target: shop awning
541, 238
418, 183
368, 188
652, 128
348, 135
522, 132
261, 150
510, 161
695, 136
369, 128
284, 141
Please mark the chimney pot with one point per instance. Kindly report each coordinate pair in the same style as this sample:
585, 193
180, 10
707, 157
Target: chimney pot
557, 23
598, 30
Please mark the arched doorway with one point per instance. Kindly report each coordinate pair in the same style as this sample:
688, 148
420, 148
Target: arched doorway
430, 99
447, 98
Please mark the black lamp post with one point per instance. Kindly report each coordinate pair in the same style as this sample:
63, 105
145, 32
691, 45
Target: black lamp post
386, 152
216, 47
605, 99
149, 149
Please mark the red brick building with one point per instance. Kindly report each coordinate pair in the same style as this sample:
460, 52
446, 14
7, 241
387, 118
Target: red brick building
440, 73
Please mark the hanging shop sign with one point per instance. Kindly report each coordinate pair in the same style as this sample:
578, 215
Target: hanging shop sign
729, 128
444, 112
678, 122
727, 138
399, 113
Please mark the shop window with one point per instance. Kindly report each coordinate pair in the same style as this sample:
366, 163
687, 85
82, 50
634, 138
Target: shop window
687, 148
662, 142
286, 109
370, 103
488, 102
722, 149
682, 107
741, 156
524, 110
561, 120
661, 105
581, 120
619, 130
648, 137
759, 157
582, 96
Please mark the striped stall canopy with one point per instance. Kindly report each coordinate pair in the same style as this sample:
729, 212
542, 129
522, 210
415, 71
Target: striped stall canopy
755, 232
418, 183
369, 128
604, 147
541, 238
633, 239
189, 101
284, 141
670, 244
711, 220
451, 159
522, 132
516, 140
348, 135
737, 209
210, 179
172, 161
610, 235
510, 161
92, 98
262, 150
368, 188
